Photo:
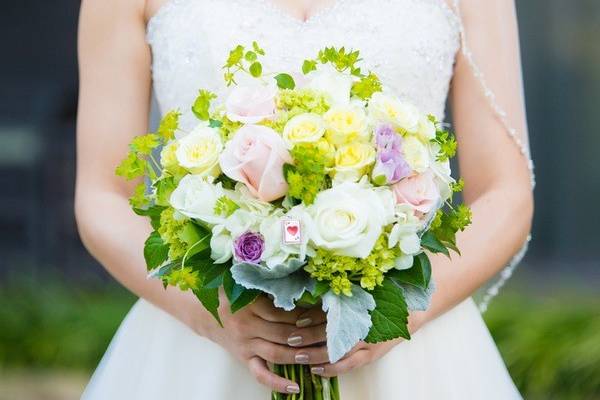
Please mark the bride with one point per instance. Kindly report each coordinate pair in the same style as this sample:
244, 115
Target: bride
168, 347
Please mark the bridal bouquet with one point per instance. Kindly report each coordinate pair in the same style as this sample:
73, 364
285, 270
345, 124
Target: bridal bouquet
317, 189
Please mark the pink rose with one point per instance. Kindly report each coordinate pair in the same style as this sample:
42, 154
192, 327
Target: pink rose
255, 156
251, 104
418, 191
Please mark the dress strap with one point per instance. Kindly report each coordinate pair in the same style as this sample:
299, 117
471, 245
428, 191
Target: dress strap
494, 288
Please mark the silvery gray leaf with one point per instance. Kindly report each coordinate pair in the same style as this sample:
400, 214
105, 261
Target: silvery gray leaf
281, 282
417, 299
348, 320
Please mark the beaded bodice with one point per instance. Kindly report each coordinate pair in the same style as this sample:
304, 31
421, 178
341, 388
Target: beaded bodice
410, 44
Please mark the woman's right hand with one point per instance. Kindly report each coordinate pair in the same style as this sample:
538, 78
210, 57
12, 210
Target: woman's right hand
261, 333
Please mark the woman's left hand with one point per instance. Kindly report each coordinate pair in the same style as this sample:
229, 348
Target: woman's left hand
365, 353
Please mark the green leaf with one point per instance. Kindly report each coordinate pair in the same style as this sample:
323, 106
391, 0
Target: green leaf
201, 106
215, 123
285, 81
168, 125
250, 56
238, 296
321, 287
431, 243
155, 251
210, 300
255, 69
196, 236
390, 316
309, 66
212, 277
152, 212
418, 275
258, 49
164, 187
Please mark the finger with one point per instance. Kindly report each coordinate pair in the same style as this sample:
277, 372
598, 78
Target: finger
271, 331
263, 308
311, 317
307, 336
279, 354
358, 359
261, 372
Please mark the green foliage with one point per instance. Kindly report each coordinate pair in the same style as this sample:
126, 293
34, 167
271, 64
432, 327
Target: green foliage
366, 86
418, 275
458, 186
309, 66
341, 59
210, 300
168, 125
163, 189
295, 102
155, 251
307, 176
173, 234
342, 271
139, 198
285, 81
145, 144
153, 213
225, 206
390, 316
201, 106
444, 227
430, 242
131, 167
447, 144
238, 296
183, 278
245, 60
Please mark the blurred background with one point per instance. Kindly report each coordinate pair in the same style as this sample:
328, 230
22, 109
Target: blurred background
59, 308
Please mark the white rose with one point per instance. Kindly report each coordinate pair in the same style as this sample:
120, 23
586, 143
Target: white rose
277, 252
426, 130
195, 197
333, 84
346, 124
386, 108
416, 154
199, 151
303, 128
221, 244
242, 221
347, 219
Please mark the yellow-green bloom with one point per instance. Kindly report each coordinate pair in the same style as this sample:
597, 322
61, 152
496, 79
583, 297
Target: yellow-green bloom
170, 231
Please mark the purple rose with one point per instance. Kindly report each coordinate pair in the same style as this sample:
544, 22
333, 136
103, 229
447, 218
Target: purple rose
249, 247
390, 167
387, 138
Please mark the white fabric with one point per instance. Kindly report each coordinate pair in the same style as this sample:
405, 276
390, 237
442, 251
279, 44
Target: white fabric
155, 357
412, 45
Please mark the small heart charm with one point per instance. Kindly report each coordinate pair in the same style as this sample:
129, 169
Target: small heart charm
292, 230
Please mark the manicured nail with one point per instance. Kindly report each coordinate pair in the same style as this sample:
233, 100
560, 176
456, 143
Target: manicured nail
303, 323
295, 340
301, 358
317, 370
292, 389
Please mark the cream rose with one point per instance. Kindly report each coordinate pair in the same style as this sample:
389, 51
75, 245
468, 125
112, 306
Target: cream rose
426, 130
352, 161
255, 156
346, 124
251, 104
303, 128
198, 152
416, 154
348, 219
390, 109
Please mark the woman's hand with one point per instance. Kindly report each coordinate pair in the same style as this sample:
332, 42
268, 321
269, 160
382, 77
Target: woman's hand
261, 333
364, 353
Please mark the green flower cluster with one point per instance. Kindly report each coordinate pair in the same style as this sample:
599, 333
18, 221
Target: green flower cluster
170, 231
342, 271
296, 102
184, 278
307, 177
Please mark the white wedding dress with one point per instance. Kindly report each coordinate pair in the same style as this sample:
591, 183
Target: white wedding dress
411, 45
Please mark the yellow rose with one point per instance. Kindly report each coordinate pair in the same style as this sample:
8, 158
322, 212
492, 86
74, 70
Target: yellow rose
303, 128
199, 151
416, 154
353, 160
327, 150
346, 124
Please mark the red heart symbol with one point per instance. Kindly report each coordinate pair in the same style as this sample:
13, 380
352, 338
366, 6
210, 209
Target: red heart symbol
292, 230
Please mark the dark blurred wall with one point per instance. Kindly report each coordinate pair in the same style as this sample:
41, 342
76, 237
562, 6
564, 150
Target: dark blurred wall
38, 86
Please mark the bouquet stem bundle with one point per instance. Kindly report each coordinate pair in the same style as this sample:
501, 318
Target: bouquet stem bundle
312, 387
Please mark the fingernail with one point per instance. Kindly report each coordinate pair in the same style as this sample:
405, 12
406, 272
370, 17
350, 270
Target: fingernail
317, 370
292, 389
301, 358
295, 340
303, 323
